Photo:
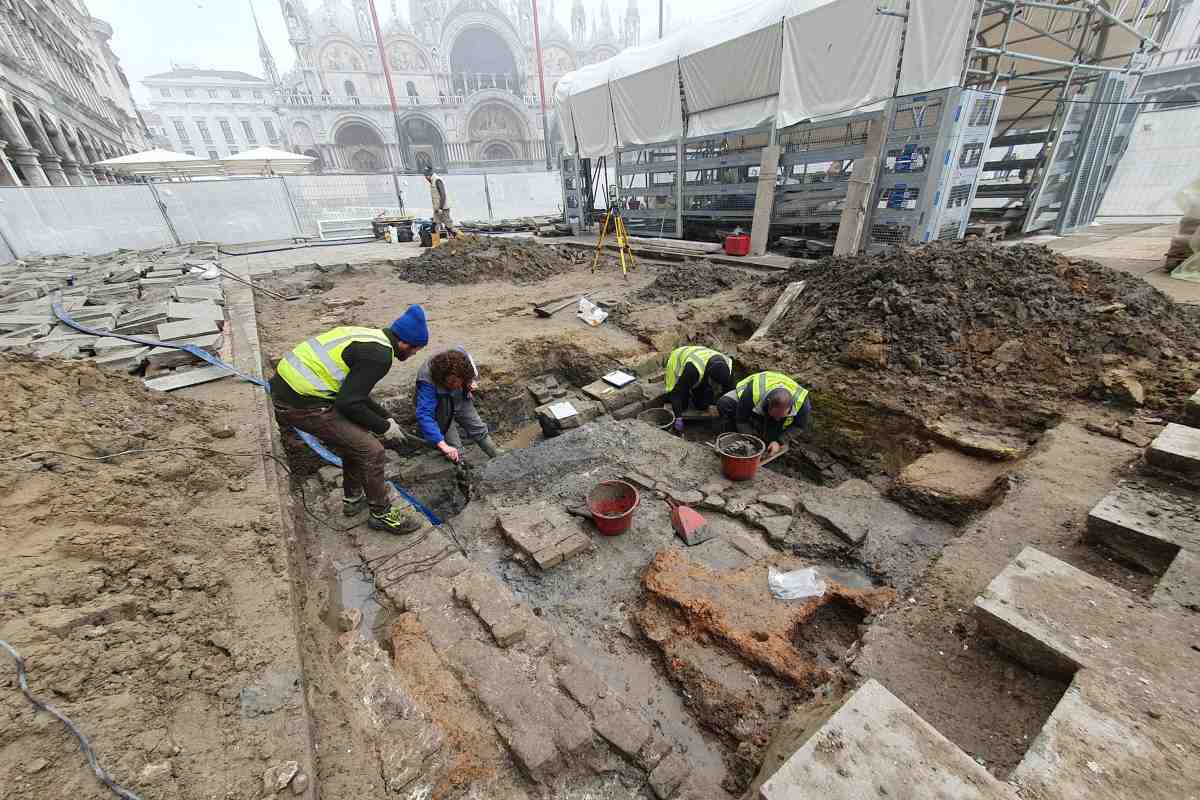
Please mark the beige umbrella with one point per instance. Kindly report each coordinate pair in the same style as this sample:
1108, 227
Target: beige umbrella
267, 161
160, 163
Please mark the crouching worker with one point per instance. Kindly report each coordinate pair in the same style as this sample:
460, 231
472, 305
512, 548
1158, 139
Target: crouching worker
323, 387
445, 404
696, 376
768, 405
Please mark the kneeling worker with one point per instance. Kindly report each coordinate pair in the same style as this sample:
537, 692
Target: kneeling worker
768, 405
323, 387
697, 375
445, 406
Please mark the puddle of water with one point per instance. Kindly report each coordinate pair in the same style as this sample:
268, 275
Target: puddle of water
349, 587
852, 579
523, 436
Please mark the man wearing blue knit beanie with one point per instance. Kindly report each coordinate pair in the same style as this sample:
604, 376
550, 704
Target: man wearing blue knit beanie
323, 387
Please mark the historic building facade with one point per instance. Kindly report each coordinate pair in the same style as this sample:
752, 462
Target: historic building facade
64, 100
464, 73
213, 113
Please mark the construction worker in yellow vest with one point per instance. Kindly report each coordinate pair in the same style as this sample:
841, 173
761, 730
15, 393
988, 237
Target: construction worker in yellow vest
768, 405
323, 387
696, 376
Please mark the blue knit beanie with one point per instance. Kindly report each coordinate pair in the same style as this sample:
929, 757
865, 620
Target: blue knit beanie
410, 327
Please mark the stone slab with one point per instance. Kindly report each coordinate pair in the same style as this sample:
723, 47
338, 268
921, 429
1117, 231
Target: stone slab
493, 603
624, 730
200, 310
186, 293
1180, 584
192, 377
545, 533
969, 436
950, 484
122, 358
171, 357
611, 397
1177, 448
582, 683
874, 746
1146, 525
670, 772
170, 331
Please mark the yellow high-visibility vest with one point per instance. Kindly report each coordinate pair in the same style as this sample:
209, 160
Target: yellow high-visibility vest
698, 356
763, 383
315, 367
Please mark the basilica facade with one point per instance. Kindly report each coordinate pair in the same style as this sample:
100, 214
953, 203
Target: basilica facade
464, 73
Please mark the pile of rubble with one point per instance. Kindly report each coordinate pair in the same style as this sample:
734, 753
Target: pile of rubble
976, 313
172, 295
691, 279
472, 259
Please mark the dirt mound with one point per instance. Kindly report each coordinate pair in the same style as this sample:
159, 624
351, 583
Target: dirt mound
980, 314
472, 259
679, 282
120, 583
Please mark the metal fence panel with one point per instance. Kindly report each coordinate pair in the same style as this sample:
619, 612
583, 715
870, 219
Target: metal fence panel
231, 211
85, 220
331, 197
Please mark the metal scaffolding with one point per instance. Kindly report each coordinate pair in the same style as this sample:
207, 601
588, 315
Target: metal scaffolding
1068, 71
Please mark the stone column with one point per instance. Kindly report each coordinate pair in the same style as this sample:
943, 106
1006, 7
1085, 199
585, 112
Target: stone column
89, 176
8, 176
71, 170
27, 159
52, 164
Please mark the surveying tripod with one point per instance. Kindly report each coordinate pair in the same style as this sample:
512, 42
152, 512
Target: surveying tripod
613, 219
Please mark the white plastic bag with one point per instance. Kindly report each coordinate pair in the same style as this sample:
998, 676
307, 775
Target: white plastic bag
591, 313
795, 585
1188, 199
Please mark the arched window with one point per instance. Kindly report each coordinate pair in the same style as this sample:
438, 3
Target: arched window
411, 89
351, 92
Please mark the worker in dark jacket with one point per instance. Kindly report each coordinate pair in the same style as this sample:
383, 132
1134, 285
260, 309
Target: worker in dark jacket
768, 405
446, 384
323, 387
696, 375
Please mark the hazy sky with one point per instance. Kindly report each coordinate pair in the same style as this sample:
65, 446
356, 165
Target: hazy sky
219, 34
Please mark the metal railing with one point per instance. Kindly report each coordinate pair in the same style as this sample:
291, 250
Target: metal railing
1170, 59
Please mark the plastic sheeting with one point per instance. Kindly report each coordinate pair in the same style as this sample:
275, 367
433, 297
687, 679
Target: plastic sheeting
86, 220
936, 45
645, 94
562, 110
836, 57
737, 117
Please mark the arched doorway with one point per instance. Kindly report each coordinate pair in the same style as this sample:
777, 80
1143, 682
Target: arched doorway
481, 59
426, 147
497, 151
361, 148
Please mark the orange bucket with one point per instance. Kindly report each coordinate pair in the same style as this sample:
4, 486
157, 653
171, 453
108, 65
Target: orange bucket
742, 464
612, 504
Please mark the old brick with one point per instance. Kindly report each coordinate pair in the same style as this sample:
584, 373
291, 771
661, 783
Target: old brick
669, 773
583, 684
624, 730
783, 503
492, 603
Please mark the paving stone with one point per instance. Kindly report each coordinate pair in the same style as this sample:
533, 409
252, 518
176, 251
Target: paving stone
193, 293
713, 502
687, 497
670, 772
656, 748
950, 484
623, 729
174, 357
192, 377
1124, 659
776, 527
1180, 584
757, 511
1146, 525
970, 436
779, 501
637, 479
532, 749
1177, 448
611, 397
493, 603
874, 746
716, 486
545, 533
186, 329
582, 683
199, 310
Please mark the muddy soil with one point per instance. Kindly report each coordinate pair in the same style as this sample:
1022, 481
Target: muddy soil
148, 594
475, 259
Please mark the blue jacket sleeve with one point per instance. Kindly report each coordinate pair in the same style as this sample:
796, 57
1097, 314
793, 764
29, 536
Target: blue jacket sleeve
427, 412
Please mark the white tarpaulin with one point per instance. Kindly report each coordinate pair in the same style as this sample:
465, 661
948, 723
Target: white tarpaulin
645, 93
733, 59
836, 57
737, 117
591, 108
562, 108
936, 44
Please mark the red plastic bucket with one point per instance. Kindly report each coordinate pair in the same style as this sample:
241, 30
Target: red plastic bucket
738, 245
739, 467
612, 504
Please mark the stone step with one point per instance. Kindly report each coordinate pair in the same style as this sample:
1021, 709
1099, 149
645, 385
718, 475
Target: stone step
1146, 525
874, 746
1177, 449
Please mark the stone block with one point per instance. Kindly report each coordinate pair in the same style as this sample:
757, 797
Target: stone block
783, 503
630, 411
611, 397
186, 329
531, 748
975, 438
492, 603
196, 293
624, 730
122, 358
776, 527
1177, 449
198, 310
545, 533
1146, 525
874, 746
582, 683
641, 481
716, 486
685, 497
670, 772
713, 502
174, 357
949, 484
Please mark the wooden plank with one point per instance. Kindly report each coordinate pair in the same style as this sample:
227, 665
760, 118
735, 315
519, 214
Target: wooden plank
853, 224
792, 291
783, 448
193, 377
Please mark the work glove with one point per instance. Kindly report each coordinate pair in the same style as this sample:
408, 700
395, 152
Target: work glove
678, 426
393, 434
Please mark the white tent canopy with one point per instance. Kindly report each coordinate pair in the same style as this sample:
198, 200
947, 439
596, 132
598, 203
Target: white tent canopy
267, 161
786, 60
159, 162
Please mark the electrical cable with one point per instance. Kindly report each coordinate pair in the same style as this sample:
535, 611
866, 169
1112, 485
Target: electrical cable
84, 744
358, 240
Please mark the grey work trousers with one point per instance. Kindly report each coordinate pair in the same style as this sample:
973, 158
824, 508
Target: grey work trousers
456, 417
